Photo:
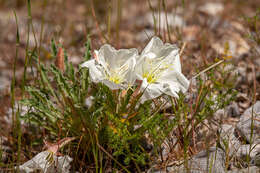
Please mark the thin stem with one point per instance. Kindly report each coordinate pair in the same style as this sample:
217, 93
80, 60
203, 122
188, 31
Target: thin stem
119, 6
110, 156
16, 119
41, 33
109, 19
207, 69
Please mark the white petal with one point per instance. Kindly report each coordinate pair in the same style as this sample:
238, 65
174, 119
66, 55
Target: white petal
150, 91
174, 59
40, 163
177, 63
171, 88
113, 58
131, 77
172, 76
153, 45
95, 73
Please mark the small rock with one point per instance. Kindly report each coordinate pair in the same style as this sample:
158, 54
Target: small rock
212, 8
220, 115
251, 169
256, 160
244, 151
173, 20
233, 110
154, 170
247, 125
212, 159
44, 163
244, 129
253, 109
228, 139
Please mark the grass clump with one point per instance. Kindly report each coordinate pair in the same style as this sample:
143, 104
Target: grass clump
115, 131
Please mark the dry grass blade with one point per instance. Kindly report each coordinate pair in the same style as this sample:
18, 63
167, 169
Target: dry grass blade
60, 59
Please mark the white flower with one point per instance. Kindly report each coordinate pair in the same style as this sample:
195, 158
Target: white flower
160, 70
114, 68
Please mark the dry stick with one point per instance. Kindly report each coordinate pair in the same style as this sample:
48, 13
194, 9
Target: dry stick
100, 34
252, 115
166, 17
254, 83
207, 69
159, 17
111, 157
154, 19
109, 19
182, 48
41, 32
118, 20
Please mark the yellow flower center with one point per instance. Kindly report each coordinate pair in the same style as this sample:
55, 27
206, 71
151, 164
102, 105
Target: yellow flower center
115, 78
154, 68
117, 75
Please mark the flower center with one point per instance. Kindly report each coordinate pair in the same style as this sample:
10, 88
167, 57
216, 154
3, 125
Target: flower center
115, 78
153, 69
117, 75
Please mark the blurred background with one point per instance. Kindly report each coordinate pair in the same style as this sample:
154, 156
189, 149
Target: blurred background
208, 28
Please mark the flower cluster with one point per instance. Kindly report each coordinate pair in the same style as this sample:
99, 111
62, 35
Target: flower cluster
158, 67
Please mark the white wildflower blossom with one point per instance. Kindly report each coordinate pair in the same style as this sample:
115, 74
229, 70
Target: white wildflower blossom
114, 68
159, 68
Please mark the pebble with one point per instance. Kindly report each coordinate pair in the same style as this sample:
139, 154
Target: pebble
212, 8
251, 169
246, 150
246, 125
211, 160
228, 140
173, 20
233, 110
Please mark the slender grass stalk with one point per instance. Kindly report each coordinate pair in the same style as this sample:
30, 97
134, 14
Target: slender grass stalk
119, 11
27, 57
252, 118
111, 157
159, 16
42, 31
15, 118
14, 70
109, 19
154, 18
166, 17
101, 34
207, 69
186, 142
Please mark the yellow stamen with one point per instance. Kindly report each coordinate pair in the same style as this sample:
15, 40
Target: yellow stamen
155, 69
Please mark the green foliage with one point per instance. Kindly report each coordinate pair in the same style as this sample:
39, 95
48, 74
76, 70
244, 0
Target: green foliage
116, 127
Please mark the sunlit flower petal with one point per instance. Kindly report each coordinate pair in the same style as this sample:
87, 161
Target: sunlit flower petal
114, 68
159, 68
